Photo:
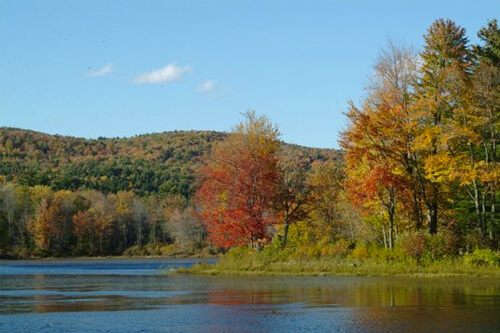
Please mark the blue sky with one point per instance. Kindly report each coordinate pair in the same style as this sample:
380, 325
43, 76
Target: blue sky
121, 68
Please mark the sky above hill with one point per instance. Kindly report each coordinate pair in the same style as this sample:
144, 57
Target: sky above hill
121, 68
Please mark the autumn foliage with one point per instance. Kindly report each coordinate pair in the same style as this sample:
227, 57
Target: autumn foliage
420, 167
239, 184
421, 150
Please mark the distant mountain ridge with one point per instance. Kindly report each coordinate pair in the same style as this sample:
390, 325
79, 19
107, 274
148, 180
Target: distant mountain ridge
161, 163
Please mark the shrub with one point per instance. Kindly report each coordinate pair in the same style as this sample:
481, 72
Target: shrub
41, 253
442, 245
306, 252
414, 245
153, 249
338, 249
22, 253
482, 257
428, 248
383, 255
208, 252
273, 252
237, 254
134, 251
473, 240
360, 252
168, 250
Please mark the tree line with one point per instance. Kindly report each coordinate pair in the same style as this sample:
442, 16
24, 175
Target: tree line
423, 145
40, 222
63, 196
420, 167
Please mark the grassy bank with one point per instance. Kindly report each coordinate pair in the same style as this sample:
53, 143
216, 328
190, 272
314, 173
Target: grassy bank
366, 262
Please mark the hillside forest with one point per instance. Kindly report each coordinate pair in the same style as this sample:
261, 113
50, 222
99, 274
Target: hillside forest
65, 196
417, 177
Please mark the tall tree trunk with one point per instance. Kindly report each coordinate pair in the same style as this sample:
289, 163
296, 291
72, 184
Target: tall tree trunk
432, 211
391, 210
9, 231
391, 230
492, 217
385, 236
286, 223
417, 210
493, 192
285, 233
139, 235
418, 190
429, 199
479, 213
483, 215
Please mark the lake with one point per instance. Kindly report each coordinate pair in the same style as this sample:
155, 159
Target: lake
138, 295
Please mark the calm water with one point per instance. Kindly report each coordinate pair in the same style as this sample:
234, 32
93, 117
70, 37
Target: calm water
137, 296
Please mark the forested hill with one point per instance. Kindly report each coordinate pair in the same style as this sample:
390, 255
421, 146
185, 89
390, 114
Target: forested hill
162, 163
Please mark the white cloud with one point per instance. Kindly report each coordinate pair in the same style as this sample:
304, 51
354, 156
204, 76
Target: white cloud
168, 73
101, 72
206, 86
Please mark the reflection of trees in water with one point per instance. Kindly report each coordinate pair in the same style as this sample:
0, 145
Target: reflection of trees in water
343, 304
446, 318
61, 293
354, 292
358, 304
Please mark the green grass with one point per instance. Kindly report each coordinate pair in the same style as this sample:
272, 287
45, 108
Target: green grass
249, 262
346, 268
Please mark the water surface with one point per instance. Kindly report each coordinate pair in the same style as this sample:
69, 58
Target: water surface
138, 296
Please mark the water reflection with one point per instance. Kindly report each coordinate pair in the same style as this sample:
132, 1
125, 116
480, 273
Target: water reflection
355, 291
350, 304
42, 292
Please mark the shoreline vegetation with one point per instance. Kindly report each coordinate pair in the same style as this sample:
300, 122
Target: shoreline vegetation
150, 251
321, 268
365, 262
417, 192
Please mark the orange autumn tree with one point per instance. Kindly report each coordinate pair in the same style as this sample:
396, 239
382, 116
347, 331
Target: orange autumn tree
239, 184
374, 179
378, 155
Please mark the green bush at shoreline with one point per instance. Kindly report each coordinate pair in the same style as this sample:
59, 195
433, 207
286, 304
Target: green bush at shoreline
341, 258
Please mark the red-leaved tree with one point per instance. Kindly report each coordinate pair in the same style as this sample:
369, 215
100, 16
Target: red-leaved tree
239, 184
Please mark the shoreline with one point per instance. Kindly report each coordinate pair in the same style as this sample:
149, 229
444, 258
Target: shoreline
105, 258
214, 272
320, 268
333, 274
368, 268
